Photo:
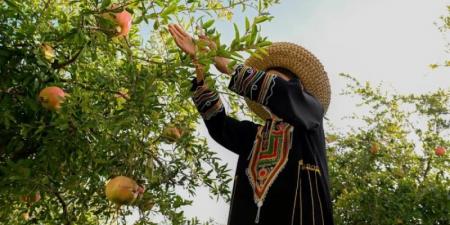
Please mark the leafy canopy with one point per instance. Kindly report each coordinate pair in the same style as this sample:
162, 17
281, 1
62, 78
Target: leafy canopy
123, 94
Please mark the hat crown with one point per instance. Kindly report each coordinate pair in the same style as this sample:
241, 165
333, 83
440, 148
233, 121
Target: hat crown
299, 61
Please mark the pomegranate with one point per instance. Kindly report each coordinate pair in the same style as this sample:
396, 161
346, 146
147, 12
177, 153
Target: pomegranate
31, 198
374, 148
119, 22
439, 151
123, 20
26, 216
48, 52
172, 133
52, 97
123, 190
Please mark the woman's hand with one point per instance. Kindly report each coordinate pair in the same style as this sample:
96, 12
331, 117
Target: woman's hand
186, 43
183, 40
221, 63
211, 44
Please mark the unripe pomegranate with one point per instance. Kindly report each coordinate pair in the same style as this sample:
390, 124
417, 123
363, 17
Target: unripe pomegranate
122, 190
26, 216
48, 52
31, 198
374, 147
331, 138
147, 206
52, 97
172, 133
122, 94
439, 151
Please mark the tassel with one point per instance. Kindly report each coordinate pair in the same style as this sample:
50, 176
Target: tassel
258, 212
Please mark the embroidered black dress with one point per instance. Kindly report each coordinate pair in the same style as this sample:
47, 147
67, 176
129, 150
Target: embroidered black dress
282, 173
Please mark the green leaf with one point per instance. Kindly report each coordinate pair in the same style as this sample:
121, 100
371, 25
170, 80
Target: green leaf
139, 20
208, 24
236, 32
253, 34
247, 24
156, 24
15, 5
433, 66
169, 10
264, 43
105, 4
263, 51
261, 19
152, 16
255, 54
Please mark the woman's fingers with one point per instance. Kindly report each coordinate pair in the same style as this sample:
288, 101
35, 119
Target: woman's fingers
211, 44
182, 39
176, 37
181, 30
171, 32
175, 33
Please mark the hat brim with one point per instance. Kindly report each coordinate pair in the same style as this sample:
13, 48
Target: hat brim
300, 62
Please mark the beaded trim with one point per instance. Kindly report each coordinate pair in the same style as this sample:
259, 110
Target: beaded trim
316, 170
310, 167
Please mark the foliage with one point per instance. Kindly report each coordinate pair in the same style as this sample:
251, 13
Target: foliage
385, 171
444, 26
122, 94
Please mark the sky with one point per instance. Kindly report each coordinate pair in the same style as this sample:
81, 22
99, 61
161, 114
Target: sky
388, 42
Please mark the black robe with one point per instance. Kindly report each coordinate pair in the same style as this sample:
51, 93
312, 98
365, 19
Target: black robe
282, 166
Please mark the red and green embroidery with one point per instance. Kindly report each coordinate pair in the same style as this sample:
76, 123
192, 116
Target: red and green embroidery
269, 156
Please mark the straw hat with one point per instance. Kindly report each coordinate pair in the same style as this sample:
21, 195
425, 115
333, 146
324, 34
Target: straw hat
300, 62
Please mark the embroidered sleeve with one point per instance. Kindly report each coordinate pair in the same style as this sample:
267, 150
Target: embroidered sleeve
256, 85
207, 101
286, 99
237, 136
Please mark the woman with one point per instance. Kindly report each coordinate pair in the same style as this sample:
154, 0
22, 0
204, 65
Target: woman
282, 174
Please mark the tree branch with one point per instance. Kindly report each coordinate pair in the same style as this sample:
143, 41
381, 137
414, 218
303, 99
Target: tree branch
427, 170
231, 6
57, 65
12, 91
87, 87
64, 205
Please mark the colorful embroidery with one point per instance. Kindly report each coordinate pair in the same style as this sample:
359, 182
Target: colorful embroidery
251, 83
269, 156
267, 85
208, 102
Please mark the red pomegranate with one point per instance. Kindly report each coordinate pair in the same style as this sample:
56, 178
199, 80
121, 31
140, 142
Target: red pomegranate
52, 97
123, 20
439, 151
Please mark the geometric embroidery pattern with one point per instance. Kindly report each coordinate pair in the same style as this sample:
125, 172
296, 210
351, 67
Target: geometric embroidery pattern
251, 83
208, 102
269, 156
